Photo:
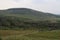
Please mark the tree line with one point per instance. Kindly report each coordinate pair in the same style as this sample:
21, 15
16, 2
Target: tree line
11, 22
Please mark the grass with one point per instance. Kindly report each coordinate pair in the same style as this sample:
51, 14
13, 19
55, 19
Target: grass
29, 35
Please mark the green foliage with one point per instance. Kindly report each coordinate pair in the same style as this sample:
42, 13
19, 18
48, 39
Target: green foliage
12, 22
0, 38
23, 18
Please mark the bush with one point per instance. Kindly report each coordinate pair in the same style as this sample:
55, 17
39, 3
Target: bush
0, 38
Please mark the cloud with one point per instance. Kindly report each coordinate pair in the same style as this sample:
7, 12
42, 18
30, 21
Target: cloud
52, 6
4, 4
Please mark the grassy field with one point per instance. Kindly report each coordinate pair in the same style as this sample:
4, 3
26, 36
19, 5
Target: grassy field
29, 35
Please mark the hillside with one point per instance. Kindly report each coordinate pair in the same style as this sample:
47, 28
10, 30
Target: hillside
24, 18
28, 13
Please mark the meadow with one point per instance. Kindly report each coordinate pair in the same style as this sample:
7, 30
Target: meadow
29, 35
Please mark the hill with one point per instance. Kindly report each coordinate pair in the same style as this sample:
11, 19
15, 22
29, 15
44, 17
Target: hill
24, 18
28, 24
28, 13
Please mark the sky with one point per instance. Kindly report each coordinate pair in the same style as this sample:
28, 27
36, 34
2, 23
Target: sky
51, 6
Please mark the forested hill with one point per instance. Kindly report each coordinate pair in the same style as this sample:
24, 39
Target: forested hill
17, 18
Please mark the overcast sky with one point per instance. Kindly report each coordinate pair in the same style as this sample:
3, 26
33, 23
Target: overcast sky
52, 6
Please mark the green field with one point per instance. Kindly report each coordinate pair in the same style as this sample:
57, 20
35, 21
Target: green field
29, 35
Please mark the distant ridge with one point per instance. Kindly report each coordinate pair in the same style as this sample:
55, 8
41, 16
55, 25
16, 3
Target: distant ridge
30, 13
